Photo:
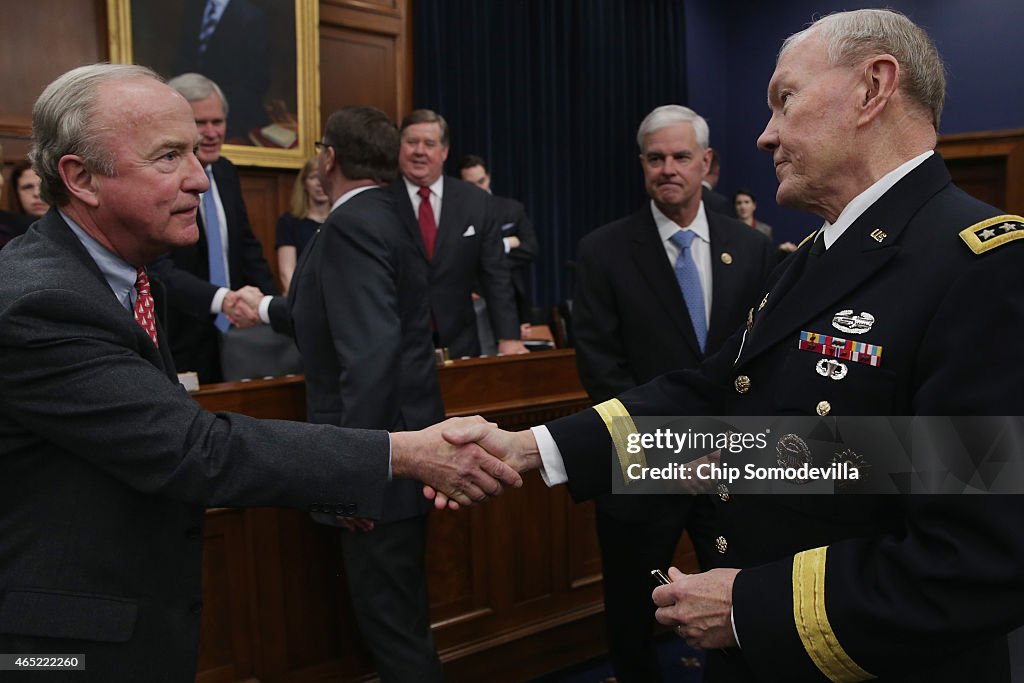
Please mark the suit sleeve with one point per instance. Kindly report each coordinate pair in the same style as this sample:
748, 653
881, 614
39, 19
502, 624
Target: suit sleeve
528, 248
597, 327
186, 292
360, 282
281, 316
495, 280
71, 370
951, 574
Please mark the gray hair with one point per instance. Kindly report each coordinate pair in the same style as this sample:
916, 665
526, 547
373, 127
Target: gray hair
671, 115
63, 122
851, 37
194, 87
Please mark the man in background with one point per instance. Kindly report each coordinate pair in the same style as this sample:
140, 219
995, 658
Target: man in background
657, 291
714, 200
516, 232
202, 279
460, 238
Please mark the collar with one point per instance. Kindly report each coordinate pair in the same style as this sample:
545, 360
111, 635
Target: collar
667, 227
436, 188
119, 274
350, 194
862, 202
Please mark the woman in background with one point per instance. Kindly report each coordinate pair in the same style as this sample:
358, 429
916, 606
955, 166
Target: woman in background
309, 208
26, 191
11, 224
746, 205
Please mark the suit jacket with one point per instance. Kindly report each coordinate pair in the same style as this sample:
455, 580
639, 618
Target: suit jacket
630, 320
461, 263
359, 312
512, 221
185, 271
237, 58
717, 202
106, 465
895, 601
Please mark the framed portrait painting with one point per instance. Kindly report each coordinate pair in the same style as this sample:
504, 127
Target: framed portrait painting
263, 54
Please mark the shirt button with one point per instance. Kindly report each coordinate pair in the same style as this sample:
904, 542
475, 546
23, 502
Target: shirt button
742, 384
721, 545
723, 493
824, 408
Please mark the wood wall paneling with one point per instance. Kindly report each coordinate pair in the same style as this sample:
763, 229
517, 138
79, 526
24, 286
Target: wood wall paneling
988, 165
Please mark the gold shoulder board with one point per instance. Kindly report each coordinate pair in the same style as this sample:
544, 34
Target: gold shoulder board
809, 237
993, 232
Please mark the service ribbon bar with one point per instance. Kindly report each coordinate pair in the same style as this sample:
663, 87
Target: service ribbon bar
844, 349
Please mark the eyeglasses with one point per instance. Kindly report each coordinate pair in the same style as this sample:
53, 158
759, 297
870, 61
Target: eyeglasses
320, 145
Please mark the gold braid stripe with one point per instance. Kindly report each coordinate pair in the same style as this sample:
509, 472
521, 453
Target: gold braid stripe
620, 425
811, 619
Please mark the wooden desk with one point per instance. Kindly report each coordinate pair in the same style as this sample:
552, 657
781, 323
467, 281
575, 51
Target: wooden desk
514, 584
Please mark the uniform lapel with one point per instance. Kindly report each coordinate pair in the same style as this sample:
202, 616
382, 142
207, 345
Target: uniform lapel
724, 281
649, 255
805, 290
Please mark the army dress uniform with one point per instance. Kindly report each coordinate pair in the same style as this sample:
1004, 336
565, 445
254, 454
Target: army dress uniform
915, 310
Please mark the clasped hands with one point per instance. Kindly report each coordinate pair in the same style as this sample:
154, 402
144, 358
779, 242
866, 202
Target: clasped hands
242, 306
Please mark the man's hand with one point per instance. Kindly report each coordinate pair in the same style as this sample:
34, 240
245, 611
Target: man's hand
464, 473
252, 296
238, 311
516, 449
699, 606
510, 347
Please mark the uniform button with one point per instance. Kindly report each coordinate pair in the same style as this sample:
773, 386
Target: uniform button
721, 545
824, 408
340, 509
742, 384
723, 493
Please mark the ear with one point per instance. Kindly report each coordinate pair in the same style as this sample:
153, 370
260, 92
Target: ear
706, 162
881, 83
78, 179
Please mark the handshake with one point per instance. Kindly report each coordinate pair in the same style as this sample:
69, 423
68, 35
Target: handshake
242, 306
463, 460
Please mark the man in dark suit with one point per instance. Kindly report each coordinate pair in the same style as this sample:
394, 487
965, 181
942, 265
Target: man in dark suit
203, 279
632, 323
359, 311
460, 238
713, 200
918, 287
228, 41
516, 232
106, 463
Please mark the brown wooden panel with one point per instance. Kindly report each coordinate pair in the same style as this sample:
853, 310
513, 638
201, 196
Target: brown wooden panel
39, 41
347, 57
266, 195
988, 165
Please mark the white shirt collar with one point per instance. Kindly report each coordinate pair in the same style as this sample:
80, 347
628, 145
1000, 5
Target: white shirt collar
436, 188
862, 202
667, 227
350, 194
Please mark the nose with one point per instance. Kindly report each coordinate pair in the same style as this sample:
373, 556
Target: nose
768, 140
195, 177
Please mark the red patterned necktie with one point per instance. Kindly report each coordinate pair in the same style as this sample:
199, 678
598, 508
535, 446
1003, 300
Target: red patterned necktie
428, 226
144, 305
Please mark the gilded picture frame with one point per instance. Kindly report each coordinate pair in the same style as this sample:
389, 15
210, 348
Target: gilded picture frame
272, 124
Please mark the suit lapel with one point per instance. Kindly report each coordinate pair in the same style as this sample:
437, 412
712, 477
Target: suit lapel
450, 226
649, 255
804, 290
403, 207
724, 281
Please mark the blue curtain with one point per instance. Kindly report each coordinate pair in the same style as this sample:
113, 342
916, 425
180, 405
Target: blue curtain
551, 92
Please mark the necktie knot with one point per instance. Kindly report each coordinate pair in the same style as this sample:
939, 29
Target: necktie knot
682, 239
425, 192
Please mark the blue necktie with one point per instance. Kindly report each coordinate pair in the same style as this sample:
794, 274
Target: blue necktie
208, 26
689, 283
214, 248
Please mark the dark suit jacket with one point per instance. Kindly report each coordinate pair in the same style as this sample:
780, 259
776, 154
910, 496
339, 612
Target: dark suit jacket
359, 312
237, 58
895, 601
106, 465
630, 320
512, 221
717, 202
12, 225
461, 262
185, 272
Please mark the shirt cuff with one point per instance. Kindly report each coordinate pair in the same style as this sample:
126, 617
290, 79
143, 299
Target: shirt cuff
217, 304
265, 308
389, 473
552, 469
507, 243
732, 620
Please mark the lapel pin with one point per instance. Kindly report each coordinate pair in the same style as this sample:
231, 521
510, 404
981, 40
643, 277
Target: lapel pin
763, 301
726, 258
878, 235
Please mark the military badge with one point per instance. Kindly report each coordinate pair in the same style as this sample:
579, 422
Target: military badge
850, 460
853, 323
831, 368
878, 235
843, 349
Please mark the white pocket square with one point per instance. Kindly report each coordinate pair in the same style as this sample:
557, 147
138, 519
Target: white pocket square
470, 231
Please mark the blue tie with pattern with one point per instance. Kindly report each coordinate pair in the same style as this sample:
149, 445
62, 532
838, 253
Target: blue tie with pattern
689, 283
215, 248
